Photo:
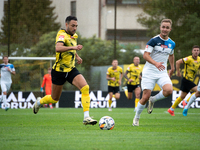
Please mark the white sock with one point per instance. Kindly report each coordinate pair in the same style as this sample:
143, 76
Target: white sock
158, 96
38, 102
86, 114
139, 110
192, 99
4, 100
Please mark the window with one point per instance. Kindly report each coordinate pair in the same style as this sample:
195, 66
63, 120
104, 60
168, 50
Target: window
124, 2
73, 8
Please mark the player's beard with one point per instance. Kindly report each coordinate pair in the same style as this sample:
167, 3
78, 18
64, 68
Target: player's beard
69, 32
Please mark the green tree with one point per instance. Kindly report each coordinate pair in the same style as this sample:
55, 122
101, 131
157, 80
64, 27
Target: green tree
45, 47
97, 52
29, 20
185, 15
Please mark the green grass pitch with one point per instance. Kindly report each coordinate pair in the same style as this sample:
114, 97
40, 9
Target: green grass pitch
62, 129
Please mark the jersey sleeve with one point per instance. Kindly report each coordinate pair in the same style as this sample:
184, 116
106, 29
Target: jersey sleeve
108, 71
12, 67
150, 45
1, 66
186, 60
128, 68
121, 70
173, 46
60, 38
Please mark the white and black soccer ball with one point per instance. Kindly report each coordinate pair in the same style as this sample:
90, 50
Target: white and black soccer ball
106, 123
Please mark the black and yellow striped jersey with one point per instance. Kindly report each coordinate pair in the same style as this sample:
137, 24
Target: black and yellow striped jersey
191, 67
134, 74
65, 61
114, 73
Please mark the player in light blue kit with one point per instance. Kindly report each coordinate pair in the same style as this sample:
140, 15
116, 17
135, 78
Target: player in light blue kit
6, 70
158, 50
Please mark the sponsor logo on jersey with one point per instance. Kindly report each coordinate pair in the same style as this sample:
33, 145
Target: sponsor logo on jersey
164, 46
61, 38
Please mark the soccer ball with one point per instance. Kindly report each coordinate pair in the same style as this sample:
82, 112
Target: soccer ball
106, 123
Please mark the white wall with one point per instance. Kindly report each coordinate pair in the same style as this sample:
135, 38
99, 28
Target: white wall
1, 11
86, 11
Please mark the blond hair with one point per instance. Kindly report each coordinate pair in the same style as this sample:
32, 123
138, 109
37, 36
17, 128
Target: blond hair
166, 20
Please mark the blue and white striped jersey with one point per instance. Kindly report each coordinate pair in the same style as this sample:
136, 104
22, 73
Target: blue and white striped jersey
160, 50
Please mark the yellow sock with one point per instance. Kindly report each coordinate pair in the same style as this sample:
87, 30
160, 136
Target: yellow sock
136, 101
177, 101
109, 102
85, 98
190, 97
126, 93
47, 99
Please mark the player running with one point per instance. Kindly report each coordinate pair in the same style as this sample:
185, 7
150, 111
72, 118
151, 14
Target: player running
114, 77
64, 69
191, 66
158, 50
6, 70
133, 77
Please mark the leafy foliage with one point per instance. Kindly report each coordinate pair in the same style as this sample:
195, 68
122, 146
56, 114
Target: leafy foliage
186, 21
46, 45
28, 21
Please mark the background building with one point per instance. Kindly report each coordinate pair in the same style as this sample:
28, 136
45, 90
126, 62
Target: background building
97, 17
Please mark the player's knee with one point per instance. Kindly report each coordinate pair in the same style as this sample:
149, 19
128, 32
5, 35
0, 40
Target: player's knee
85, 89
168, 92
117, 96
